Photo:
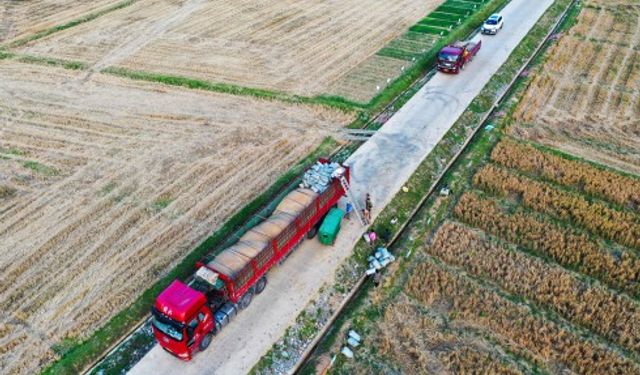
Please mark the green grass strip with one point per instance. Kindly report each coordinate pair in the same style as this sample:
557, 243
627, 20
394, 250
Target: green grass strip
70, 24
192, 83
419, 28
67, 64
445, 16
438, 23
6, 55
77, 357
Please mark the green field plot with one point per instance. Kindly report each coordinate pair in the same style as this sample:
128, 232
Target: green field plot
408, 47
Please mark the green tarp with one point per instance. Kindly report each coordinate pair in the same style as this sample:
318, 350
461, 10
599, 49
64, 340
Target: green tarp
330, 226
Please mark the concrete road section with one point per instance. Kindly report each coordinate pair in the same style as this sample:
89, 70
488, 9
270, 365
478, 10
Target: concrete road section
381, 166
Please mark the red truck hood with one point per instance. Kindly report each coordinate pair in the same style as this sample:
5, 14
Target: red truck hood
179, 301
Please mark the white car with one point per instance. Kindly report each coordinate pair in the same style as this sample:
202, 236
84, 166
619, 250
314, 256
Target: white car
493, 24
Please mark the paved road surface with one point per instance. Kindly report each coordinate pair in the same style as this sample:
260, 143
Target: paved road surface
381, 166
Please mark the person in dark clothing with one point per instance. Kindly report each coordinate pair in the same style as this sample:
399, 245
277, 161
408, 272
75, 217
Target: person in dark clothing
368, 205
377, 277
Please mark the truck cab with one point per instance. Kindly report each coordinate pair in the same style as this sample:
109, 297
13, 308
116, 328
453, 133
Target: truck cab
454, 57
182, 320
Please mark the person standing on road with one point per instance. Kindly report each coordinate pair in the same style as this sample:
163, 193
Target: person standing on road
366, 216
368, 205
347, 211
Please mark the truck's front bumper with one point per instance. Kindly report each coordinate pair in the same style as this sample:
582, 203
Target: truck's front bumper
447, 69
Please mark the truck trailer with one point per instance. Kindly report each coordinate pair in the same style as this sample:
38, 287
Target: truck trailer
185, 317
454, 57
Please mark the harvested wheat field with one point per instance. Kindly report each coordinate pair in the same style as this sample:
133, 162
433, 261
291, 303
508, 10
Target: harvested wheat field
108, 183
585, 99
300, 47
21, 18
534, 268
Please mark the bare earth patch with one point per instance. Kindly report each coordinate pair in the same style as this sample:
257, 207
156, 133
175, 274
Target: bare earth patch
112, 182
300, 47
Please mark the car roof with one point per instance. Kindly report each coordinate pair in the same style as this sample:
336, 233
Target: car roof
494, 16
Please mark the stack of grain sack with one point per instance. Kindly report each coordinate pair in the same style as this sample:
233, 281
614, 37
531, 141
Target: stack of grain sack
380, 259
318, 177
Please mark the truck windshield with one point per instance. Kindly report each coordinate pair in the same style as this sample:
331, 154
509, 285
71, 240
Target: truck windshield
448, 57
167, 326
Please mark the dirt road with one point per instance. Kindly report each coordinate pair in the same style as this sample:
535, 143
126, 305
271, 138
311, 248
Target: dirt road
381, 166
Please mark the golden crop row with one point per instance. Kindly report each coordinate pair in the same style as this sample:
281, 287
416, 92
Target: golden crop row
609, 314
608, 185
563, 245
418, 344
553, 343
620, 226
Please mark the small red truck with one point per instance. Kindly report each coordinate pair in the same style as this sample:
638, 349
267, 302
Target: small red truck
454, 57
186, 316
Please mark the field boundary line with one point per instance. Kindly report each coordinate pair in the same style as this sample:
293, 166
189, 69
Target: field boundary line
320, 336
231, 89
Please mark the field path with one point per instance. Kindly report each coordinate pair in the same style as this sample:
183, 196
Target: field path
381, 166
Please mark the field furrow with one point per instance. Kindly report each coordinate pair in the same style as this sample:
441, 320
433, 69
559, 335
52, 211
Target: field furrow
611, 315
551, 344
620, 226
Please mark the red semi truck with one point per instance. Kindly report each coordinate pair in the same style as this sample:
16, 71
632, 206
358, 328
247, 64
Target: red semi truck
454, 57
185, 317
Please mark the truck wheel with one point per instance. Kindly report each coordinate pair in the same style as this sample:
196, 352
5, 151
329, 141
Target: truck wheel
312, 232
245, 301
261, 284
206, 340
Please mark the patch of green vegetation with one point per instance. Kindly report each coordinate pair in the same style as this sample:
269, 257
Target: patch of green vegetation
76, 22
39, 168
445, 16
439, 23
420, 28
6, 55
64, 346
67, 64
330, 101
13, 151
409, 46
78, 357
108, 188
162, 202
308, 326
454, 10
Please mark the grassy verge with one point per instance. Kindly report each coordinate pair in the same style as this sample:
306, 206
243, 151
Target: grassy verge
67, 64
362, 315
192, 83
77, 357
76, 22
